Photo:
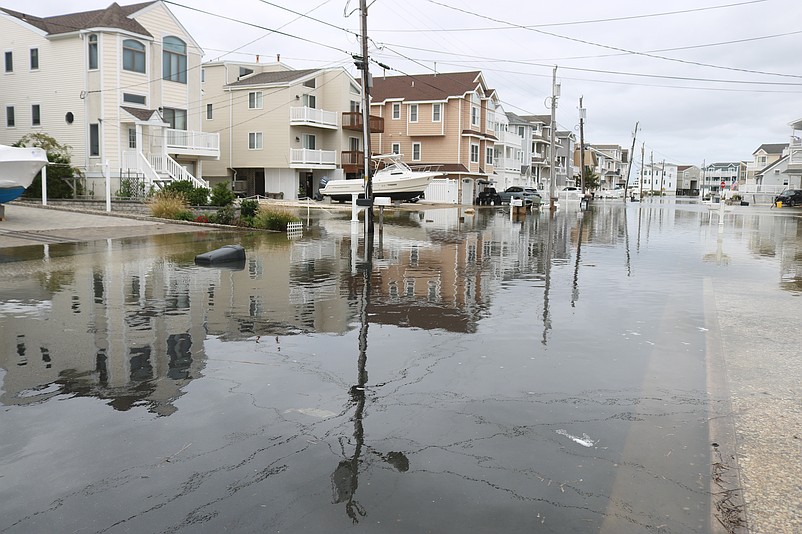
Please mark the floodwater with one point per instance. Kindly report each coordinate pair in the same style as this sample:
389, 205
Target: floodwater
475, 373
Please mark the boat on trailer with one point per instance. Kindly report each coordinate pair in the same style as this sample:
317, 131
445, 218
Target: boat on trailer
18, 167
395, 180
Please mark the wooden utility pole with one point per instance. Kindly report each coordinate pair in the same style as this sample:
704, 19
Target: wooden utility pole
582, 145
662, 175
631, 159
642, 156
651, 173
555, 90
367, 82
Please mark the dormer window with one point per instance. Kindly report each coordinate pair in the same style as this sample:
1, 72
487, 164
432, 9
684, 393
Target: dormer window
133, 56
174, 60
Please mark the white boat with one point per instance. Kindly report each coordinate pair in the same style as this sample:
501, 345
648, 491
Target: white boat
18, 167
616, 193
395, 180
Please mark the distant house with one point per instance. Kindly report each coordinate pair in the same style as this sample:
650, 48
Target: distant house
795, 150
688, 179
765, 155
120, 85
714, 174
775, 177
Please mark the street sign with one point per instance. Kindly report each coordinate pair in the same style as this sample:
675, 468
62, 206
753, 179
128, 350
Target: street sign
723, 184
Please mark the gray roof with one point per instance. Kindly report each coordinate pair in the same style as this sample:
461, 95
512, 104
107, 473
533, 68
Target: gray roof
114, 16
278, 77
139, 113
771, 148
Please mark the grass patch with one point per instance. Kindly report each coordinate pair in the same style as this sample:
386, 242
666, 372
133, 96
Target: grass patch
274, 219
167, 205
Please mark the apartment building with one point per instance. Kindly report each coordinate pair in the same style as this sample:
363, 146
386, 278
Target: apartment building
445, 121
714, 174
540, 149
508, 153
119, 85
611, 167
283, 130
660, 178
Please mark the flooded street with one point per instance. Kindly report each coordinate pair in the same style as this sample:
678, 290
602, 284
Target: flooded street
475, 373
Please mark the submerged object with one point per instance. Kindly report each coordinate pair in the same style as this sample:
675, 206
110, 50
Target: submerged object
224, 254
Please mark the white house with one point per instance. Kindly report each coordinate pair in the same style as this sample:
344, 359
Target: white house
120, 85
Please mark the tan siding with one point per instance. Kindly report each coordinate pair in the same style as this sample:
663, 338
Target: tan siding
425, 125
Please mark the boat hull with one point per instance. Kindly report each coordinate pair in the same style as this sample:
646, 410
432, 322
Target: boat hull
18, 167
394, 187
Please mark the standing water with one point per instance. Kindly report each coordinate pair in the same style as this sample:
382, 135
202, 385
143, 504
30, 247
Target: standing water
462, 372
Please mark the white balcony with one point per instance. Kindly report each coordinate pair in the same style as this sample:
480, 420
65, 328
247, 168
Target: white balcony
795, 158
305, 158
507, 165
317, 118
190, 143
510, 139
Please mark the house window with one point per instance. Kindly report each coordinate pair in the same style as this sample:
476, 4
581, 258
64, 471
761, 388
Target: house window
177, 118
255, 140
255, 100
133, 56
209, 112
131, 137
396, 111
9, 61
489, 156
413, 113
310, 83
244, 71
309, 142
34, 59
174, 59
134, 99
354, 106
396, 148
436, 112
415, 151
36, 116
94, 139
10, 122
474, 153
310, 101
92, 47
203, 75
522, 131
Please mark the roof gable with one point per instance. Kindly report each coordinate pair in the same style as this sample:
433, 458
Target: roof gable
114, 16
427, 87
771, 148
282, 77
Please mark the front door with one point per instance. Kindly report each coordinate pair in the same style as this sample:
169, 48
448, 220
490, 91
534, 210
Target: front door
308, 185
259, 183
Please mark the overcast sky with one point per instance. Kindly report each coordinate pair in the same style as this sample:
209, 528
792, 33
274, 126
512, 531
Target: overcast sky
707, 80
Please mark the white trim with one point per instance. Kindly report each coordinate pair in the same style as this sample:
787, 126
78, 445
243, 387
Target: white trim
258, 100
40, 114
409, 113
395, 105
420, 151
439, 107
5, 116
392, 148
154, 5
478, 155
38, 59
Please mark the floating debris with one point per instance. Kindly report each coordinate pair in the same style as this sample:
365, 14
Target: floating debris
585, 440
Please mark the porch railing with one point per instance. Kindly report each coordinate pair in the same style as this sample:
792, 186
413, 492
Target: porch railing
307, 156
307, 115
191, 140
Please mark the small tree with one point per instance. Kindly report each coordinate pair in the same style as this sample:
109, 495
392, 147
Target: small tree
59, 170
591, 179
222, 195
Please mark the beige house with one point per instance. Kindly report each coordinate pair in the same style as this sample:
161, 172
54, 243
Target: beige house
120, 85
283, 130
439, 120
765, 155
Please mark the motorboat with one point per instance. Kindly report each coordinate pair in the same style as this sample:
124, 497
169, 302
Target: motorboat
395, 179
616, 193
18, 167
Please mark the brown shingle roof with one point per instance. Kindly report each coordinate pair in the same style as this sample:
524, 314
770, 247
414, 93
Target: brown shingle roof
139, 113
424, 86
264, 78
114, 16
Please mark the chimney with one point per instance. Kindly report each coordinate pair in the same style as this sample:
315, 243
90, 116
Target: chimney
278, 58
257, 58
413, 83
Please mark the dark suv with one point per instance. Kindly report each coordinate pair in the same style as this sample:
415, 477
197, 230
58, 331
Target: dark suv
790, 197
488, 197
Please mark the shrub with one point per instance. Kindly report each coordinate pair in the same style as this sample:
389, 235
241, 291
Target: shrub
274, 219
246, 220
249, 208
202, 219
167, 205
195, 196
184, 216
224, 215
222, 195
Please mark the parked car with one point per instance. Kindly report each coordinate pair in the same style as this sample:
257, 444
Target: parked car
528, 194
488, 197
790, 197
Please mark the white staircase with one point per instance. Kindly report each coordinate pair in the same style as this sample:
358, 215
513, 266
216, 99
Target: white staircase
159, 170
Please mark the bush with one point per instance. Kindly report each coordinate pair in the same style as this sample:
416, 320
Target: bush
167, 205
195, 196
248, 208
202, 219
184, 216
59, 171
224, 215
274, 219
222, 195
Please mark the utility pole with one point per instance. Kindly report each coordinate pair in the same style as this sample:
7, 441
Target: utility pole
631, 159
662, 175
367, 82
651, 174
582, 145
642, 155
555, 94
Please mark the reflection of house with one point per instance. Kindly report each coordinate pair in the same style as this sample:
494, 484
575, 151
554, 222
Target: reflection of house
282, 130
443, 120
119, 85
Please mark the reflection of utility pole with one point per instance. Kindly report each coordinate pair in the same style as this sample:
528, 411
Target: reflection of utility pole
582, 145
555, 94
575, 288
546, 315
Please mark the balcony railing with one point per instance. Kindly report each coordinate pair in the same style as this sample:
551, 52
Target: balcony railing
507, 164
189, 142
352, 161
352, 120
306, 157
795, 158
510, 138
305, 116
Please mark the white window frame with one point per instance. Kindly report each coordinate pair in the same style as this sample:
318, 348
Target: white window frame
488, 155
134, 54
396, 114
8, 66
92, 45
37, 124
255, 100
395, 148
13, 109
437, 112
132, 138
475, 116
413, 112
209, 112
419, 148
255, 141
306, 141
474, 153
310, 101
96, 127
30, 58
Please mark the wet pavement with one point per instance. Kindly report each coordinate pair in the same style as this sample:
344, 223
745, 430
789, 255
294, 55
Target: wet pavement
475, 373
